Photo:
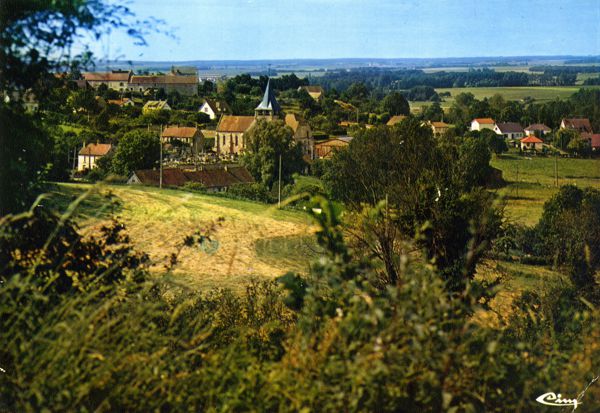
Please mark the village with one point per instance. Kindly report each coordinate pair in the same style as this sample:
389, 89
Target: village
206, 152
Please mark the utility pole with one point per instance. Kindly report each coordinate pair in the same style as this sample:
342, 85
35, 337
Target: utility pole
556, 169
279, 186
161, 159
517, 186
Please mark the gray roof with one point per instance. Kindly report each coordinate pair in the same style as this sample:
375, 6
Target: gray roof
510, 127
269, 102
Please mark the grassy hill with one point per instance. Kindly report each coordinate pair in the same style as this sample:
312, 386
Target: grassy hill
254, 240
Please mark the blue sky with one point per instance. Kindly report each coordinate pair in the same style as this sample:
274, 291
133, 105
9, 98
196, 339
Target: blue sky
279, 29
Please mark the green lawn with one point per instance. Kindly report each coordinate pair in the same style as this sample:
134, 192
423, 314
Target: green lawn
531, 181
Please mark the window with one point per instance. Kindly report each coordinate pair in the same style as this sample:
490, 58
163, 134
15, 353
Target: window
236, 140
224, 139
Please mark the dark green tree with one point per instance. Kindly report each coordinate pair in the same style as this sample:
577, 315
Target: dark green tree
265, 142
395, 104
137, 149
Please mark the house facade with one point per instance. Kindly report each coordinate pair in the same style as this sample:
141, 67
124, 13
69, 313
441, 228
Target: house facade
89, 155
479, 124
510, 130
191, 136
581, 125
184, 85
537, 129
214, 108
439, 128
326, 149
115, 80
531, 143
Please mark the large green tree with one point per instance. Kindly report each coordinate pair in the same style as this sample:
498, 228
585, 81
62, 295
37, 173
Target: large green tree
421, 182
395, 104
265, 143
137, 149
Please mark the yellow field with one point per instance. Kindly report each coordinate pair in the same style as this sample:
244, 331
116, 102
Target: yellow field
157, 222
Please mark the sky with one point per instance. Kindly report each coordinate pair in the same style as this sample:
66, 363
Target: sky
293, 29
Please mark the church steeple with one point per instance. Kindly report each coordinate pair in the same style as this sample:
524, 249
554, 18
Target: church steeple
269, 107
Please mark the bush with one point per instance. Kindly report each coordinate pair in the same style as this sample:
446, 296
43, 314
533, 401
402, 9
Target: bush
252, 192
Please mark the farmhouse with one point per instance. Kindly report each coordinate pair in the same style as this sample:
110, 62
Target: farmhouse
531, 143
215, 108
315, 92
89, 155
189, 135
581, 125
327, 148
395, 119
537, 129
439, 128
115, 80
510, 130
479, 124
212, 179
152, 105
302, 134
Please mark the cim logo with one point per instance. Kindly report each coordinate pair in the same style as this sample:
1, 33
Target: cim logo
556, 400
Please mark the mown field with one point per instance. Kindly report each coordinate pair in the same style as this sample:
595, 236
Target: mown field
253, 240
531, 181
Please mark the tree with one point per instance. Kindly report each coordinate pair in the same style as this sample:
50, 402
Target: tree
395, 104
425, 194
265, 142
137, 149
569, 234
563, 137
496, 143
433, 112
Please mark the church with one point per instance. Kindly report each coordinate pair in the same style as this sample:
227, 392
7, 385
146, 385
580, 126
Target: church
231, 130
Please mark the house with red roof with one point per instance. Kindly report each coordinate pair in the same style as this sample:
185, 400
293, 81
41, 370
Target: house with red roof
89, 155
537, 129
531, 143
479, 124
581, 125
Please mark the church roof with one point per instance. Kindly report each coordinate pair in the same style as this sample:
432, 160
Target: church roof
269, 102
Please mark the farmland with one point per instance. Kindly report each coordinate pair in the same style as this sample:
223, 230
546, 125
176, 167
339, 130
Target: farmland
540, 94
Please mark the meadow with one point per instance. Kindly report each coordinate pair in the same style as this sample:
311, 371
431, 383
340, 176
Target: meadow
531, 181
539, 93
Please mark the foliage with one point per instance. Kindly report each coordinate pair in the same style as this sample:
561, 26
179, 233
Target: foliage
23, 158
265, 143
430, 190
253, 192
137, 149
395, 104
568, 232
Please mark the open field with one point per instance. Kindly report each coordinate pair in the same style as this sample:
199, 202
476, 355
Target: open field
540, 94
254, 240
531, 181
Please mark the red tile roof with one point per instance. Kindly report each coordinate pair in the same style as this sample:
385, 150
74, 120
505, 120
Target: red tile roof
440, 125
96, 149
531, 139
486, 121
595, 140
395, 119
235, 123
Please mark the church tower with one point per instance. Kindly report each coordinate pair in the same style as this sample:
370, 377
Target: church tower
268, 109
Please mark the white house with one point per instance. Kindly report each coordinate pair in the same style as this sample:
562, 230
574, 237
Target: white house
537, 129
214, 108
510, 130
89, 155
479, 124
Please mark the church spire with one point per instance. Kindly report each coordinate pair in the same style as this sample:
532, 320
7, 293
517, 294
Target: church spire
268, 107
